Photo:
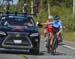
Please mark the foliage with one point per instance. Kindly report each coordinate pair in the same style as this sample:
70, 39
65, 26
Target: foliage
70, 36
63, 8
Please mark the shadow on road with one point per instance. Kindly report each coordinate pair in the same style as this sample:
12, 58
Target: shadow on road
41, 53
60, 53
57, 53
7, 52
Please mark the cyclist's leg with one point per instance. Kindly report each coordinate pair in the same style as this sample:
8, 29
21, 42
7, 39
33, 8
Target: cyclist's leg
58, 38
50, 31
45, 32
53, 46
51, 38
50, 41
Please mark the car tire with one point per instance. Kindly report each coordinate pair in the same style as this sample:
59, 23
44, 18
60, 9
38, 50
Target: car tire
35, 51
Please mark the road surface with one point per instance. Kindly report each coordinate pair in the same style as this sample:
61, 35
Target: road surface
62, 53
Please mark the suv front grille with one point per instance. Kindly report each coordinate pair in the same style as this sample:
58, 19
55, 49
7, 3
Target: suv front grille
17, 41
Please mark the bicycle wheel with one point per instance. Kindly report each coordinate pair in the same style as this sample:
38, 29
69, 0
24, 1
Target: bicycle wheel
60, 38
48, 44
54, 45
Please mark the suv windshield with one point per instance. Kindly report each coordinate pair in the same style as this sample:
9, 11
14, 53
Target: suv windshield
17, 21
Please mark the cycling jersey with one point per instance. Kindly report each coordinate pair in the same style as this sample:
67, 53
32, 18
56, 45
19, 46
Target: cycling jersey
47, 24
56, 25
50, 28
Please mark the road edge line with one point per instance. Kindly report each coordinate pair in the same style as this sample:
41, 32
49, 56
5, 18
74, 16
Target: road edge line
69, 47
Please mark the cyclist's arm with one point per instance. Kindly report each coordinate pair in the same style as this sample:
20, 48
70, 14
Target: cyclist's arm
60, 31
45, 23
61, 28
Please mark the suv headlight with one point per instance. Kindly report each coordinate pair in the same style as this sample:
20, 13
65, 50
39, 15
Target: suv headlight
2, 33
34, 34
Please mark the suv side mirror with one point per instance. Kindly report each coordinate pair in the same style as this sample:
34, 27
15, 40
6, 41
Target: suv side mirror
39, 25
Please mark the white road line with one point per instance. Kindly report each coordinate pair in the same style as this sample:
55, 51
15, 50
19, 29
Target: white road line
69, 47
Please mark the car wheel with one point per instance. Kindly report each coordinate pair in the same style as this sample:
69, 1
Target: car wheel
35, 51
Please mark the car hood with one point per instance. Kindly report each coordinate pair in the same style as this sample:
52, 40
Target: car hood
28, 29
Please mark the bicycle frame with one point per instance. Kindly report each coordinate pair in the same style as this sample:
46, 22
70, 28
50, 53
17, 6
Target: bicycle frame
52, 48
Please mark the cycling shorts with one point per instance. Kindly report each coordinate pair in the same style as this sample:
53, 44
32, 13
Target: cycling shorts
55, 30
50, 29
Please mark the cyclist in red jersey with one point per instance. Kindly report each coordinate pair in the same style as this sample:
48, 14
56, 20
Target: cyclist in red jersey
48, 27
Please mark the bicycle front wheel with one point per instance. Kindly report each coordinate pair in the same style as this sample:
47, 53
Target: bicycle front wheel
54, 46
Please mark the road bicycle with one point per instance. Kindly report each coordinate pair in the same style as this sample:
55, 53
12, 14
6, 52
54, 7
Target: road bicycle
52, 48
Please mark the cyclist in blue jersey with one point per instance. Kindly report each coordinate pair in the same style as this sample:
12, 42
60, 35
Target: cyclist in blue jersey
57, 26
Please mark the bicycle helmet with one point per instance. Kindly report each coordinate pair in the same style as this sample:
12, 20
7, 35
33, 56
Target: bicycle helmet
56, 18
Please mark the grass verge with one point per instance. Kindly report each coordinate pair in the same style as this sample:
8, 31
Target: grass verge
70, 36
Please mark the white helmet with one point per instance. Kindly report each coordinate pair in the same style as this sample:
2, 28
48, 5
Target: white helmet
50, 17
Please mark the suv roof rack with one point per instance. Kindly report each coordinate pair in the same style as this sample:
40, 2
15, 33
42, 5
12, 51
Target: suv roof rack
14, 13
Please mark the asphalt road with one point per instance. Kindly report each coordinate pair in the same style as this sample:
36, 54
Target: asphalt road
62, 53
